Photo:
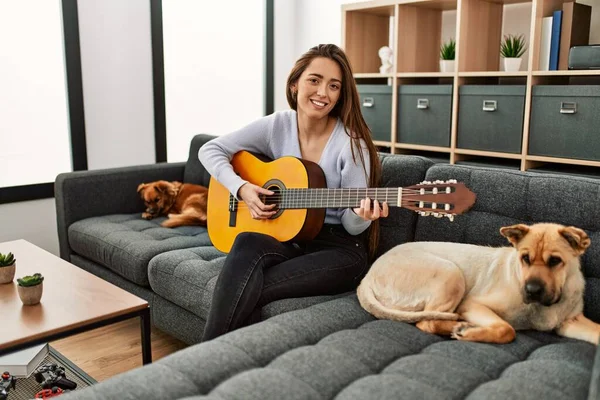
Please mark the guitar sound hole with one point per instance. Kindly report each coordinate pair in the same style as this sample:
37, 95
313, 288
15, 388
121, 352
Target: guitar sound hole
275, 198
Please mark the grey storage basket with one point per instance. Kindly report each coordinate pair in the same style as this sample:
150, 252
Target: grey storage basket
424, 114
565, 121
376, 107
490, 117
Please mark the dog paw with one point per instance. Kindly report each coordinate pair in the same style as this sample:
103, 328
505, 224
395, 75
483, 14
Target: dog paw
146, 215
461, 329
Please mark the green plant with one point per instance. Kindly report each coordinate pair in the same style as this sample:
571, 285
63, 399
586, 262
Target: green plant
448, 50
30, 280
6, 260
513, 46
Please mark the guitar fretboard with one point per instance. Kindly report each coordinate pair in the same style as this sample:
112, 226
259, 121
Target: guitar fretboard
333, 198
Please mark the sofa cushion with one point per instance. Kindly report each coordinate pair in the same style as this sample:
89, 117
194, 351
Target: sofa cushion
506, 197
335, 350
125, 243
187, 277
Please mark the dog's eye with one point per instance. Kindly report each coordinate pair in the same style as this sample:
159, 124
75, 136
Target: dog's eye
554, 261
525, 258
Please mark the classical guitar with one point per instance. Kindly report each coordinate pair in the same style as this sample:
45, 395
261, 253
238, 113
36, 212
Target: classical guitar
301, 197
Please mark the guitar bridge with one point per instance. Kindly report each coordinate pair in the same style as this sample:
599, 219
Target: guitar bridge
233, 207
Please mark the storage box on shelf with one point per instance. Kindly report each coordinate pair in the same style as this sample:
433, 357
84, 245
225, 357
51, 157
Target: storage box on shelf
509, 138
491, 117
376, 107
424, 114
564, 122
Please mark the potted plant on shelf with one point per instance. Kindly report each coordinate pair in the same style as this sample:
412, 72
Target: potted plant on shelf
512, 49
447, 54
31, 288
8, 266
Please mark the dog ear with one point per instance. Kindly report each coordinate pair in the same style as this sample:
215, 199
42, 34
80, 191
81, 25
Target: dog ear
165, 187
577, 238
141, 187
514, 233
162, 186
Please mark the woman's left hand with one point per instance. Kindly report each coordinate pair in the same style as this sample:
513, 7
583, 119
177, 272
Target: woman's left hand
368, 214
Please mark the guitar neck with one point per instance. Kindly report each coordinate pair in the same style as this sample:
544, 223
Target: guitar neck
335, 198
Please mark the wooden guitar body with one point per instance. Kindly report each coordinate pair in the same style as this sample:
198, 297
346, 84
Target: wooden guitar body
277, 175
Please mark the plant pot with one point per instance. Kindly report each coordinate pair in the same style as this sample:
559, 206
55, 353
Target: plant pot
31, 295
512, 64
7, 274
446, 65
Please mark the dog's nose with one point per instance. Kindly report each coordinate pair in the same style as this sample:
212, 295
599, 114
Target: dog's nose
534, 289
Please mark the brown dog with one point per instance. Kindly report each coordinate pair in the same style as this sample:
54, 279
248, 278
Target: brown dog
484, 294
184, 204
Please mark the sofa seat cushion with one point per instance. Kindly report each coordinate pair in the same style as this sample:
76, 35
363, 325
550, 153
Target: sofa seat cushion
125, 243
187, 277
366, 358
336, 350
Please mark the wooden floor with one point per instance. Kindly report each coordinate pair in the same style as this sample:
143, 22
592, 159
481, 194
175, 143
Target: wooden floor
111, 350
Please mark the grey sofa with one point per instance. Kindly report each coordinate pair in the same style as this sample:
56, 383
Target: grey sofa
328, 347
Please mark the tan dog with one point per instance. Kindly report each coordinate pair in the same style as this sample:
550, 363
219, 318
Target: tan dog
484, 294
184, 204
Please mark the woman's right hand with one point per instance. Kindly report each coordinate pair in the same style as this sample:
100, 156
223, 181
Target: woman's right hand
250, 193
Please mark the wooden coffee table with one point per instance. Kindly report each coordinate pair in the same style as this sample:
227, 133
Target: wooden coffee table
73, 301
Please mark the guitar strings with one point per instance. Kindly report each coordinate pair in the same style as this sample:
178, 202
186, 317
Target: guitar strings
290, 193
404, 203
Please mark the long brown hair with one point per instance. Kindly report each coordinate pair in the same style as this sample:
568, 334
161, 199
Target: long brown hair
348, 110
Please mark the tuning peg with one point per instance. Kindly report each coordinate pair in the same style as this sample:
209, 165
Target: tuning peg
451, 181
450, 217
437, 215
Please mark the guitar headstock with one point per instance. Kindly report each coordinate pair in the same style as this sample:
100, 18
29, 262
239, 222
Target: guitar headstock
438, 198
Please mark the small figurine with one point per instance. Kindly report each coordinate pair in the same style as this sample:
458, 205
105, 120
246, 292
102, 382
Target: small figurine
385, 54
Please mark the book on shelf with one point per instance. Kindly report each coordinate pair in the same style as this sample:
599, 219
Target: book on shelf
575, 30
21, 364
545, 44
555, 40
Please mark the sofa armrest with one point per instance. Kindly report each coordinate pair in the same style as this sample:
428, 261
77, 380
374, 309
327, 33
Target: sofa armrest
594, 393
85, 194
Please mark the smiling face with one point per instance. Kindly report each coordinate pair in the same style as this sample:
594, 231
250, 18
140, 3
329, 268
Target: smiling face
319, 87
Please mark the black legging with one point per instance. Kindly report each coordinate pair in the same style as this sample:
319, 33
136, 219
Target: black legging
259, 269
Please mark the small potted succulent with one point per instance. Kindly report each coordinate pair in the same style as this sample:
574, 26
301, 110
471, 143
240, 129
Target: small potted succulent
512, 49
30, 289
8, 266
447, 54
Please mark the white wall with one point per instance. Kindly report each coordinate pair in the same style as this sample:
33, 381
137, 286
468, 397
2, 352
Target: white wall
34, 221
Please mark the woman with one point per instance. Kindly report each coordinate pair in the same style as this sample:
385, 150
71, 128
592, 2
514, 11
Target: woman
325, 126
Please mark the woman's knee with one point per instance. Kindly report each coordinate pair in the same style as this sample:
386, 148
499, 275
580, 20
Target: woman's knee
251, 240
